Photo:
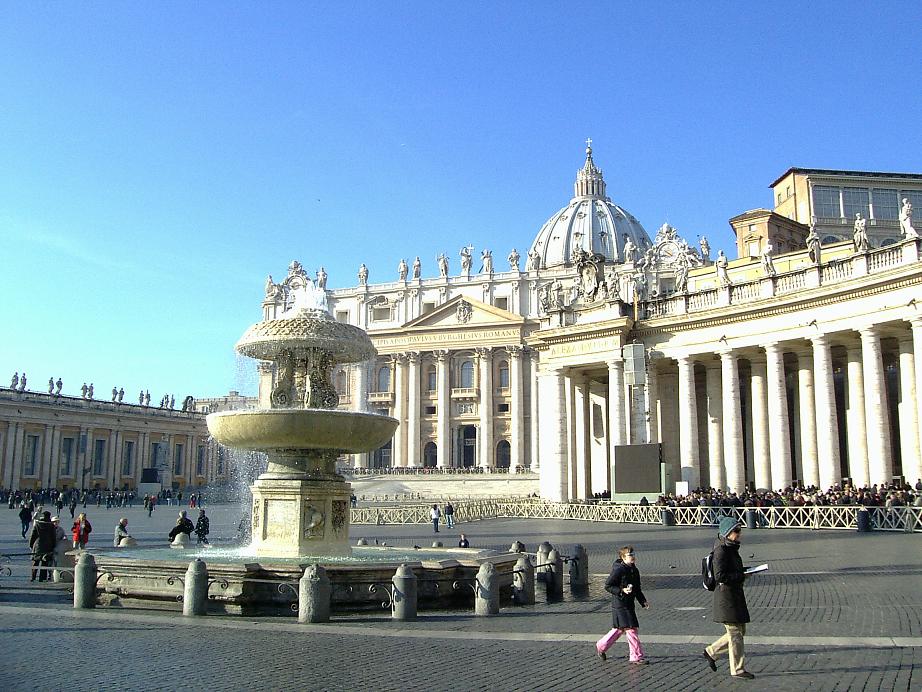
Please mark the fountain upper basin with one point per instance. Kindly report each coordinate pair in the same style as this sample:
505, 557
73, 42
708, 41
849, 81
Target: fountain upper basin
267, 429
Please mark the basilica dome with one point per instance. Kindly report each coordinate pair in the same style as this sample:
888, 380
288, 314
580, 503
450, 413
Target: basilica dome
591, 221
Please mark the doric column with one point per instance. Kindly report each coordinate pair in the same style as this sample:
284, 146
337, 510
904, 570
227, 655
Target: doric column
18, 449
516, 413
413, 398
581, 433
809, 461
717, 478
734, 463
398, 452
854, 420
827, 431
443, 424
779, 432
554, 478
44, 466
653, 432
758, 409
914, 470
485, 409
360, 403
616, 424
7, 452
688, 423
909, 424
877, 418
535, 412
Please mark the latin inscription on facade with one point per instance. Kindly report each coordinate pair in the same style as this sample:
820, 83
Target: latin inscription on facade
451, 339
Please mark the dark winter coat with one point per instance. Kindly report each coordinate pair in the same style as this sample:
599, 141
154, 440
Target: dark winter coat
202, 526
184, 525
729, 599
42, 538
623, 614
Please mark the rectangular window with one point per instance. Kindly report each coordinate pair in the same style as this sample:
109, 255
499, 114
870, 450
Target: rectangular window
99, 456
886, 205
431, 378
177, 459
430, 410
753, 248
67, 455
157, 454
128, 458
379, 314
502, 408
200, 461
342, 316
826, 202
501, 303
855, 200
31, 455
428, 307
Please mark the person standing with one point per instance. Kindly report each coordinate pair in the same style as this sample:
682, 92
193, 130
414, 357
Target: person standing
151, 503
41, 541
463, 542
25, 516
729, 600
434, 514
73, 505
624, 586
449, 515
81, 531
201, 527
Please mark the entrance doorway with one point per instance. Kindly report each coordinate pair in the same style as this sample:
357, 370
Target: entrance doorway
430, 455
503, 455
468, 446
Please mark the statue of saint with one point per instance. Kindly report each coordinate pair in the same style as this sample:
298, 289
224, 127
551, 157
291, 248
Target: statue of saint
443, 265
534, 260
51, 385
466, 259
705, 249
514, 260
83, 390
768, 263
640, 286
114, 393
814, 248
417, 267
57, 387
630, 250
906, 228
15, 381
141, 398
860, 237
22, 383
720, 266
89, 391
270, 286
363, 274
147, 397
121, 394
681, 273
322, 279
487, 266
402, 270
295, 268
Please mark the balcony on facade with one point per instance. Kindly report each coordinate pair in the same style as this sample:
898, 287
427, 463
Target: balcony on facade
465, 392
381, 397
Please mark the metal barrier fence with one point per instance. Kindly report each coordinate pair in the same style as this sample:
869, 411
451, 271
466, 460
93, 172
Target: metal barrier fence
905, 519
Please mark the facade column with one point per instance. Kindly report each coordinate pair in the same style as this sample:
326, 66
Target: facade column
486, 456
517, 415
653, 432
914, 470
779, 432
18, 449
909, 423
827, 431
809, 461
734, 463
534, 411
876, 415
616, 424
443, 424
398, 450
758, 409
688, 423
44, 466
716, 476
580, 457
554, 480
9, 446
855, 422
360, 403
413, 395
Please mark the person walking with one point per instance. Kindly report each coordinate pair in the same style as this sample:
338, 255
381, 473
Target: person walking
80, 531
151, 503
449, 515
434, 513
41, 541
624, 586
729, 607
201, 527
25, 516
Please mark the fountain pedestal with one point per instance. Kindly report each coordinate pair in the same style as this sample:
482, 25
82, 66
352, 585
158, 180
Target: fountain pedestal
296, 517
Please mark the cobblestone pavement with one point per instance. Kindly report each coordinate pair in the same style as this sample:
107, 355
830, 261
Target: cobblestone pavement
836, 611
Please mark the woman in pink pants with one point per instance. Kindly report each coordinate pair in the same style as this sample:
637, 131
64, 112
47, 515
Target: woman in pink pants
624, 586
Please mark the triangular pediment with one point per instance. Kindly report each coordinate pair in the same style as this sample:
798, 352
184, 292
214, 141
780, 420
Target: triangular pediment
463, 312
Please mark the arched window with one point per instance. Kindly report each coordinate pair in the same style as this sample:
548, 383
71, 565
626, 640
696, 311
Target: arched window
504, 374
503, 455
431, 378
467, 374
430, 455
384, 379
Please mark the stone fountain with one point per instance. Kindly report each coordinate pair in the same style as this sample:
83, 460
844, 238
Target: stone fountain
300, 504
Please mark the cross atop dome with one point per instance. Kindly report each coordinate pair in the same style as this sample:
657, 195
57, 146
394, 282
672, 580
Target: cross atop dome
589, 182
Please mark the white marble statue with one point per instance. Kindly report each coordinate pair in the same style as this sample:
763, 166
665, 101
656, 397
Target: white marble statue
466, 261
147, 397
15, 381
681, 273
487, 257
630, 250
51, 385
705, 249
514, 260
417, 268
114, 393
57, 387
860, 237
906, 228
720, 266
814, 249
121, 394
22, 383
83, 390
363, 274
141, 398
443, 265
322, 279
402, 270
534, 260
768, 262
270, 286
89, 391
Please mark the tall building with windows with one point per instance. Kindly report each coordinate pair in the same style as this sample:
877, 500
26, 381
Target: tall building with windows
601, 352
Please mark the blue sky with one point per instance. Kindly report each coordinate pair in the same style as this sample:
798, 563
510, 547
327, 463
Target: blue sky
159, 159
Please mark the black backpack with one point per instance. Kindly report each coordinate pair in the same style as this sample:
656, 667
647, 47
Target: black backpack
707, 572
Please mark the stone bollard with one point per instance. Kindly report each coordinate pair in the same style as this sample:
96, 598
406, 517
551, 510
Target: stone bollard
579, 570
437, 544
314, 592
541, 561
751, 522
554, 577
404, 594
517, 547
195, 589
362, 541
486, 590
667, 516
523, 582
85, 581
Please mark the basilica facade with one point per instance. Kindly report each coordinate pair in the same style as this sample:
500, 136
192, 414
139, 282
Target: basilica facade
798, 361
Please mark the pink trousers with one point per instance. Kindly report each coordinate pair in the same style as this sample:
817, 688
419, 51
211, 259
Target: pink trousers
633, 642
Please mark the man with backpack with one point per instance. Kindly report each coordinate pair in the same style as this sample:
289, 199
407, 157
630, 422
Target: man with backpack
729, 608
